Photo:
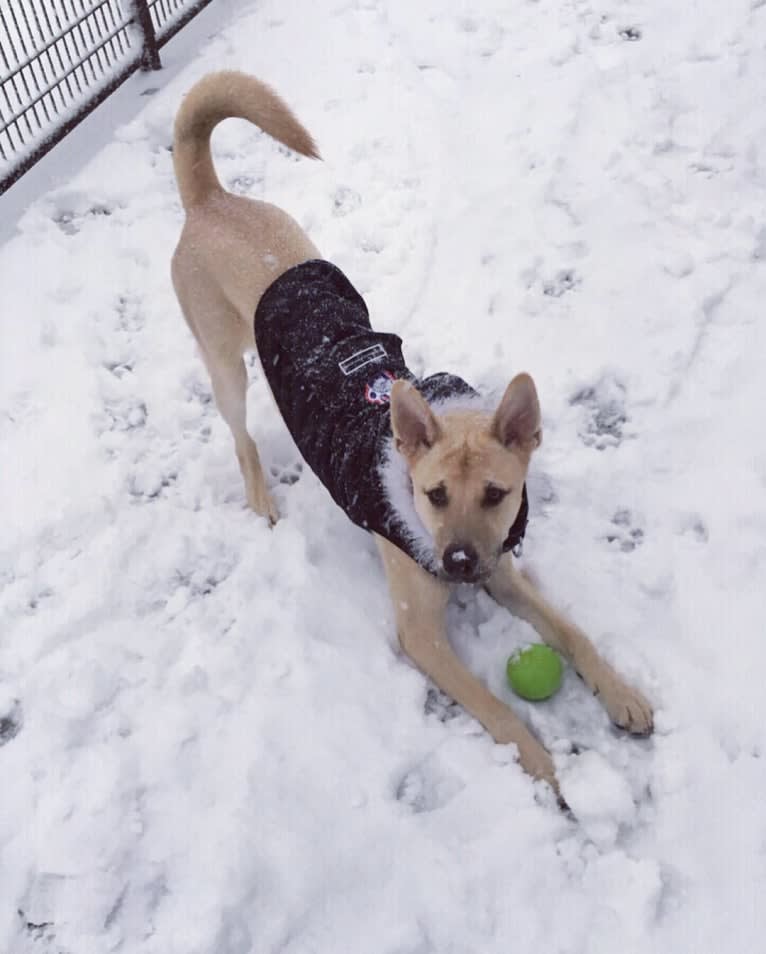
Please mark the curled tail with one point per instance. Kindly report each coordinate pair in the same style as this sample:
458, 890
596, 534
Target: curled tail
214, 98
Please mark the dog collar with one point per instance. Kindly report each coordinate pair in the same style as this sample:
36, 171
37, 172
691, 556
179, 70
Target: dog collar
514, 542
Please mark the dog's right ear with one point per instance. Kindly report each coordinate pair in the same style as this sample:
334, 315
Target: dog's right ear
413, 422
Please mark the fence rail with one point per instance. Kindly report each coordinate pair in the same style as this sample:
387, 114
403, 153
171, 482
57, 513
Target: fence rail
60, 58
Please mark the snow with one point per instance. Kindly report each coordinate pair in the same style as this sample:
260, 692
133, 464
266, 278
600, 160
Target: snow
208, 739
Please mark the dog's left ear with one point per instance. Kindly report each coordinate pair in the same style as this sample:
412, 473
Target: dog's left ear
517, 420
413, 422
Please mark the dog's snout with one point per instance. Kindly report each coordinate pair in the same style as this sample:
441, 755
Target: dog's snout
461, 561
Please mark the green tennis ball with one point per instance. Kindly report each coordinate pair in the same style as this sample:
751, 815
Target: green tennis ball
534, 673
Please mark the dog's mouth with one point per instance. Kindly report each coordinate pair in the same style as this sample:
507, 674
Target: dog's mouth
474, 579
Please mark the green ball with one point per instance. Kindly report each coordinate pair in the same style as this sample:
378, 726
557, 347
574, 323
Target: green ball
534, 673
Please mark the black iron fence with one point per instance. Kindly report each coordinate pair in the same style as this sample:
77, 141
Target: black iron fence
60, 58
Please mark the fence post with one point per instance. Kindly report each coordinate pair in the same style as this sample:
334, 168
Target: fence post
150, 55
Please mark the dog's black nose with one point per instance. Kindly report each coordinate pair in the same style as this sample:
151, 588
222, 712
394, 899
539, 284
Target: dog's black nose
461, 562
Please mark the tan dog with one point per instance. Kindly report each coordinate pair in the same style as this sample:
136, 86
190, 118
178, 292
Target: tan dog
467, 468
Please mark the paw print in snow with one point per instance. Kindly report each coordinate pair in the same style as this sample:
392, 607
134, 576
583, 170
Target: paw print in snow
345, 201
126, 414
604, 415
67, 222
289, 474
623, 534
70, 221
440, 705
130, 316
692, 525
244, 184
11, 720
566, 279
199, 391
428, 785
119, 368
150, 479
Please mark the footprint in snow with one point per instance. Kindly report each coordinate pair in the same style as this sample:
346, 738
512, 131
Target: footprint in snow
428, 786
289, 474
37, 930
11, 721
565, 280
604, 415
542, 491
120, 368
631, 34
198, 390
694, 526
345, 201
244, 184
125, 414
622, 532
439, 704
150, 479
70, 222
130, 316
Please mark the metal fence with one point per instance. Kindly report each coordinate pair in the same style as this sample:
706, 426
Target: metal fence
60, 58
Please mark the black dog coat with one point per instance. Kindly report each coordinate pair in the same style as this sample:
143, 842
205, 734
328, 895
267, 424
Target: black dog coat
331, 377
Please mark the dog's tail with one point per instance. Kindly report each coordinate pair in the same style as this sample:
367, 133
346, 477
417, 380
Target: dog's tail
214, 98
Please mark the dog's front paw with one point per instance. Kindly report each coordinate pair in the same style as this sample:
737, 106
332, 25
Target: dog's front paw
537, 762
540, 766
627, 707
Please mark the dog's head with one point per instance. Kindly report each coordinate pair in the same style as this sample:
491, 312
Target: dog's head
467, 470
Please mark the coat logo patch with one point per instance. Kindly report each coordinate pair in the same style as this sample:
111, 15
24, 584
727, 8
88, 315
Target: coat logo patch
355, 362
378, 391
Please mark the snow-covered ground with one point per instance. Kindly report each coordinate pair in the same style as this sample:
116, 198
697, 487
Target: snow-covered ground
209, 743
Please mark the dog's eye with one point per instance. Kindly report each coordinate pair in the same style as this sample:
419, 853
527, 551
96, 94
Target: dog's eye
493, 496
437, 497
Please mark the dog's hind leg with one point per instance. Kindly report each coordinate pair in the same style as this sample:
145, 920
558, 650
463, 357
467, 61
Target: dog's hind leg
420, 602
228, 376
223, 338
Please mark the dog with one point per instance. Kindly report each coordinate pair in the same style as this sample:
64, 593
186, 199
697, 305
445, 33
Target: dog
448, 475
